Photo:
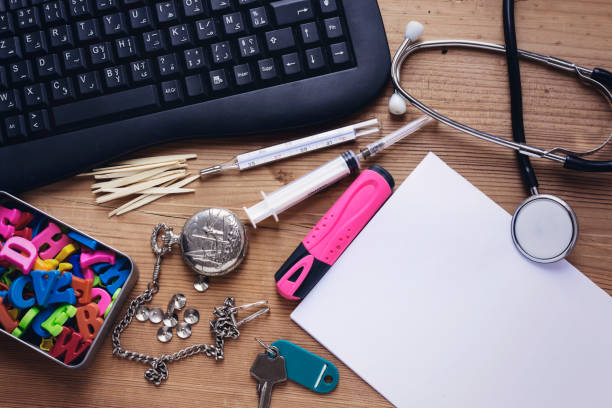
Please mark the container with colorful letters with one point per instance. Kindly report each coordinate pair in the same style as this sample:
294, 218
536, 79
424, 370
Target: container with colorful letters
60, 289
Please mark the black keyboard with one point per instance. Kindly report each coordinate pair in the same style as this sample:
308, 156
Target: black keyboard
85, 81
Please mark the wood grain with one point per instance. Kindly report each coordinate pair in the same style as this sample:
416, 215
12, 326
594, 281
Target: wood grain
471, 87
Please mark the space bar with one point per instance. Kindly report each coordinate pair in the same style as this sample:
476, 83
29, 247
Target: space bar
101, 106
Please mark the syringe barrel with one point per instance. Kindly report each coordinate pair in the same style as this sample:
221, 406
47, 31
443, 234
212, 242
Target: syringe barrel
304, 187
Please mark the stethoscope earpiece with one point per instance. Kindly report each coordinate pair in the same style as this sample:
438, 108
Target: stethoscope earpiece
544, 228
397, 104
414, 31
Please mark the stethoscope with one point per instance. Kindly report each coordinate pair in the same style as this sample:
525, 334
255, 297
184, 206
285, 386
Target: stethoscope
544, 227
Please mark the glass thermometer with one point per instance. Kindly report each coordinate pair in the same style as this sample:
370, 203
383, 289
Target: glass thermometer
292, 148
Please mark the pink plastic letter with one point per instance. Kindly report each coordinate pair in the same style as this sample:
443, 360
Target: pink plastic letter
89, 258
13, 251
46, 237
104, 301
8, 217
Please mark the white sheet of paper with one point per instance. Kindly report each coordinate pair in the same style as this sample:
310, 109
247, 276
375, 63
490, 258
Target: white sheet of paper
434, 307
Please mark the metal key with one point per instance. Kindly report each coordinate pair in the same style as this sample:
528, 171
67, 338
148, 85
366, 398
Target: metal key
268, 371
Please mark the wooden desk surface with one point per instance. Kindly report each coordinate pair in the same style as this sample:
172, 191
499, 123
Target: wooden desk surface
469, 86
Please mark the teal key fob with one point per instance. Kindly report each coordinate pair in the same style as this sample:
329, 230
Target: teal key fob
306, 368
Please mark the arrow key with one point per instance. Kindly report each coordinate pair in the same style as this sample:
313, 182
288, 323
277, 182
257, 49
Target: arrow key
314, 59
291, 64
280, 39
339, 53
38, 122
310, 33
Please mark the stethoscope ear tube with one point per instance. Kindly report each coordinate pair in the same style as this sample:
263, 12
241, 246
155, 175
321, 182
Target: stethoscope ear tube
593, 166
598, 78
603, 76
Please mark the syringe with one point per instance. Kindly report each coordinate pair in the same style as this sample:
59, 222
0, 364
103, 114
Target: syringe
325, 175
281, 151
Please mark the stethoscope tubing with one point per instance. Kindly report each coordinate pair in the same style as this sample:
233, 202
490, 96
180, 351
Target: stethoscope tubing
408, 47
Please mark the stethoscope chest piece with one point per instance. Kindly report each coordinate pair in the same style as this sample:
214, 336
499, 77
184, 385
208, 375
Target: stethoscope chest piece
544, 228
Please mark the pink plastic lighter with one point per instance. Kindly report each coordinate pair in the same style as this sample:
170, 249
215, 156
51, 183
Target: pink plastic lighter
333, 233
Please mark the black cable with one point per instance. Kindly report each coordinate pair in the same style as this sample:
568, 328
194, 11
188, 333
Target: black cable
516, 95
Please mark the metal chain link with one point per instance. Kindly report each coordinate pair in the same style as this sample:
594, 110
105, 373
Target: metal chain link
224, 326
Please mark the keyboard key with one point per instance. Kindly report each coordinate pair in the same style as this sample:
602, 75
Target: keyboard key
101, 53
10, 48
339, 53
88, 30
192, 7
243, 75
62, 90
194, 58
6, 24
126, 47
167, 64
74, 59
328, 6
141, 18
221, 52
38, 122
89, 83
207, 29
171, 91
233, 23
310, 33
61, 36
54, 12
292, 11
106, 5
280, 39
9, 101
333, 27
267, 69
166, 11
35, 42
21, 72
28, 18
80, 8
245, 2
154, 41
15, 128
3, 78
249, 46
259, 17
194, 85
291, 64
15, 4
141, 71
48, 65
35, 95
218, 5
179, 35
115, 24
314, 58
106, 105
115, 77
218, 80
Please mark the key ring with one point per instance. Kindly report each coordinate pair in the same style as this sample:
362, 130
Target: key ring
273, 350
